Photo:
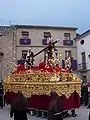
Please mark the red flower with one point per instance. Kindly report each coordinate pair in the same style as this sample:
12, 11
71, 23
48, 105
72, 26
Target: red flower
42, 65
49, 69
58, 69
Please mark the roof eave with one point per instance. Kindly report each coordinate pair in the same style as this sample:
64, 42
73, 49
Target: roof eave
38, 26
82, 35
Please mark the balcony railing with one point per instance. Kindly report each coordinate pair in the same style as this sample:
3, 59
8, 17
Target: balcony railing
67, 42
82, 66
21, 62
73, 64
44, 42
25, 41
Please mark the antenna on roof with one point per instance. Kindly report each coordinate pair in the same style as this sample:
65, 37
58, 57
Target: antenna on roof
10, 23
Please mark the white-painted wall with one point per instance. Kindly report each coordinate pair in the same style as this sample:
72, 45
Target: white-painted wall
84, 48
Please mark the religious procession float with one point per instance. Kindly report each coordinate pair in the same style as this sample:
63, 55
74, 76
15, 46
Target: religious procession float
36, 82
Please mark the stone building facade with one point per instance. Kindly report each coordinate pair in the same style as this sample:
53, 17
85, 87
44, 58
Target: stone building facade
16, 40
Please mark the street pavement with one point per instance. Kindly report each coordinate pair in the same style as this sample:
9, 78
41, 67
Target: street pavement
82, 114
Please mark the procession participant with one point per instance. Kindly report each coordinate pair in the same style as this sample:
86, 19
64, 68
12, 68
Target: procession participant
56, 106
89, 116
19, 107
73, 113
66, 114
82, 94
85, 93
1, 96
88, 95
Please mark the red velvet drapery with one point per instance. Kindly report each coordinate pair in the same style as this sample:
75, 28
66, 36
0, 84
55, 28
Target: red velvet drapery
42, 102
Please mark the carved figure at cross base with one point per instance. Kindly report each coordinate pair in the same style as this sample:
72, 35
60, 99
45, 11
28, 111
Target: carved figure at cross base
29, 58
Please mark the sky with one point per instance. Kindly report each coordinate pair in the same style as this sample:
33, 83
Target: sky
71, 13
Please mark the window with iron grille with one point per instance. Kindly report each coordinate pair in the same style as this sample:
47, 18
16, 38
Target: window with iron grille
83, 60
25, 34
83, 57
67, 36
47, 34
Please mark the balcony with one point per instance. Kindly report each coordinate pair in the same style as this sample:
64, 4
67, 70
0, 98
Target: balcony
73, 64
44, 42
21, 62
67, 42
82, 67
25, 41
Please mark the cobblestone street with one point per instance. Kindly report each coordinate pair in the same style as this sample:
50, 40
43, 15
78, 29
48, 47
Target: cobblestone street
82, 114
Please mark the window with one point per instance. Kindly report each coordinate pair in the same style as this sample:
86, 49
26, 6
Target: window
44, 41
47, 34
24, 54
25, 41
83, 61
67, 36
25, 34
83, 57
67, 53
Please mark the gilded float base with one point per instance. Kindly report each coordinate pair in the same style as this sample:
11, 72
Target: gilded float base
42, 83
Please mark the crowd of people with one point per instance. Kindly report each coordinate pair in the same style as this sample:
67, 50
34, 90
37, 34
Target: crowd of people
19, 106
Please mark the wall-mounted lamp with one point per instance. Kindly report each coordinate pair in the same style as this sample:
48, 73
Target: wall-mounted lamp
89, 56
82, 42
1, 54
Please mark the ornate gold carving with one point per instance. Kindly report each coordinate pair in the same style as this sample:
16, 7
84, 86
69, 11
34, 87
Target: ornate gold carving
42, 83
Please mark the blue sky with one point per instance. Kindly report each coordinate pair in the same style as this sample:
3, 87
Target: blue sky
46, 12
